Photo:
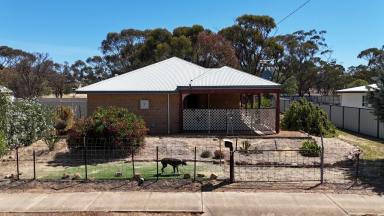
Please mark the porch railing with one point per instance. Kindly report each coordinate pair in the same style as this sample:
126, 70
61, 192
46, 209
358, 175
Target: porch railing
229, 120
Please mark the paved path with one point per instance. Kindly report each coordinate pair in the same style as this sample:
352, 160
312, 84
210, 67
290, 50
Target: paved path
210, 203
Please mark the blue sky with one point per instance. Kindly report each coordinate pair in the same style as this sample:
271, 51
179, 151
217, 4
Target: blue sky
72, 29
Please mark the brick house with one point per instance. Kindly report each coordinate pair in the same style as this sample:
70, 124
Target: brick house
176, 96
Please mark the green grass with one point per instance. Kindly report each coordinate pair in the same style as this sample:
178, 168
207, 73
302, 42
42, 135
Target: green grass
147, 170
373, 149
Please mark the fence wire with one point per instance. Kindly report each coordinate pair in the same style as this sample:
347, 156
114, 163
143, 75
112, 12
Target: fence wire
263, 160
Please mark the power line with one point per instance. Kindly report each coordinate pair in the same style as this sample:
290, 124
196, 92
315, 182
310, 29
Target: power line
290, 14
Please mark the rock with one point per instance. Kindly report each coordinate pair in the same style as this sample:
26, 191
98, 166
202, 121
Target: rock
118, 174
218, 162
140, 181
187, 176
137, 177
65, 176
200, 175
9, 176
11, 157
76, 176
213, 177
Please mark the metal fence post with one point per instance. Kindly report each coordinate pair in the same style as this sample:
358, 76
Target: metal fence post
322, 161
359, 121
17, 164
133, 161
157, 163
330, 112
357, 167
343, 107
34, 165
194, 167
85, 157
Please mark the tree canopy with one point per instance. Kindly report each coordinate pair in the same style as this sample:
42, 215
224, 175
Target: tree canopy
300, 61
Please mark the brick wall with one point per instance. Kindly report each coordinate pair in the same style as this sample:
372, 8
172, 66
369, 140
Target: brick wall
155, 116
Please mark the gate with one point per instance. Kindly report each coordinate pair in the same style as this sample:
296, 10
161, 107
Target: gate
275, 165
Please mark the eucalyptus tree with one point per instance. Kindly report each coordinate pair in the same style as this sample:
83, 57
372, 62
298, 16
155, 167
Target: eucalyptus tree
250, 36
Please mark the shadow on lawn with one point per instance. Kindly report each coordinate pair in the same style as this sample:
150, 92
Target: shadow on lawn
78, 156
371, 174
367, 174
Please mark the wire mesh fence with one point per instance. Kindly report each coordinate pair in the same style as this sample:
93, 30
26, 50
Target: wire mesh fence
258, 160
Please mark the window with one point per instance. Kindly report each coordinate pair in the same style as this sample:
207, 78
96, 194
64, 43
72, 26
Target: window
144, 104
365, 101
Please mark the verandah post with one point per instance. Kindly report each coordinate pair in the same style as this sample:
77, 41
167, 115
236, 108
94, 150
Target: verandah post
277, 123
194, 167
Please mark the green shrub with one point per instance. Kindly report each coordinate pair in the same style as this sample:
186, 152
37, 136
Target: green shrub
218, 154
24, 121
309, 148
3, 144
64, 118
206, 154
118, 126
303, 115
50, 138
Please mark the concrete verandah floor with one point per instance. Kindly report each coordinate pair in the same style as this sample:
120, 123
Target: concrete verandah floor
207, 203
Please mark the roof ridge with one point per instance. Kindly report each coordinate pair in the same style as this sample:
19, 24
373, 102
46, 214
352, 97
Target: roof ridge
141, 69
249, 74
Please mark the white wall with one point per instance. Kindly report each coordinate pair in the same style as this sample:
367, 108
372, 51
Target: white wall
352, 99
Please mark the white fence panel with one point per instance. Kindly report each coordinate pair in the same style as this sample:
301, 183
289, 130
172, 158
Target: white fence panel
351, 119
337, 116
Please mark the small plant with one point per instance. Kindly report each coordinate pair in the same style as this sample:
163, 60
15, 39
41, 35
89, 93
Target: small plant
50, 138
218, 154
206, 154
309, 148
63, 119
245, 146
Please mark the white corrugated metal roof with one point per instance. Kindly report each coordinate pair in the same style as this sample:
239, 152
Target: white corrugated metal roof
358, 89
168, 75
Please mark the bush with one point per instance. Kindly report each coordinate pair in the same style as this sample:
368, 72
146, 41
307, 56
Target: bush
118, 125
24, 121
310, 149
50, 138
3, 145
303, 115
63, 119
218, 154
206, 154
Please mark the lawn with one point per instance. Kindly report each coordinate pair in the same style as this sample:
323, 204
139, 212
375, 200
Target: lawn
373, 149
147, 170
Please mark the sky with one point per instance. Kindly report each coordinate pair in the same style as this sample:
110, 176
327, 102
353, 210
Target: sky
69, 30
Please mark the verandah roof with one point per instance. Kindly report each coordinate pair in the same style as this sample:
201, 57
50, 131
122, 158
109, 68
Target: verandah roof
173, 74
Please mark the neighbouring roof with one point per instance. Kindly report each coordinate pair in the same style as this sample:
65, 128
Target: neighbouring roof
358, 89
173, 74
